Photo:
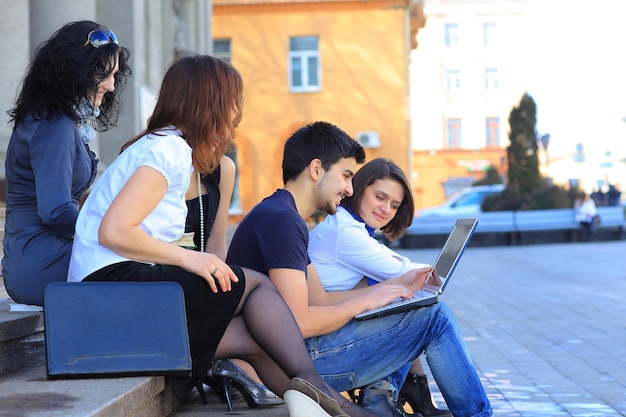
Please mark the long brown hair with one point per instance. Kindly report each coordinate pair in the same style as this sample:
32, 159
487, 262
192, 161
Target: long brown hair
198, 96
380, 169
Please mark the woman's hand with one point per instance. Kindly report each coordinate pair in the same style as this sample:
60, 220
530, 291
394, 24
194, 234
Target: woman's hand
212, 269
120, 231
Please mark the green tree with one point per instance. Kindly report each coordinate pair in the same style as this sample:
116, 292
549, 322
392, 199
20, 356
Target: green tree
523, 174
491, 177
526, 188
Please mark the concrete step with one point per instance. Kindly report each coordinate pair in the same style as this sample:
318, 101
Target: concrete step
28, 392
21, 339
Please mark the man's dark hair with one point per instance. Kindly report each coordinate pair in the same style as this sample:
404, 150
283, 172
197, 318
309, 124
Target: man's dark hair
318, 140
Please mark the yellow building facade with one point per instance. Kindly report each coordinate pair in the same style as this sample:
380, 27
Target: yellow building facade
355, 76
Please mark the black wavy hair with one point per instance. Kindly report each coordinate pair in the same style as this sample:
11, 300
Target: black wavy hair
64, 70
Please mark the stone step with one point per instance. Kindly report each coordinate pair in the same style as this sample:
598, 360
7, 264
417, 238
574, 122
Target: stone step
28, 392
21, 339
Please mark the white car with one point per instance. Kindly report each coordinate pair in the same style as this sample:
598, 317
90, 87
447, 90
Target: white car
464, 203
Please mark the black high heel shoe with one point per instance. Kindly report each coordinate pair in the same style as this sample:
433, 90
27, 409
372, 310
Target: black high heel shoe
228, 375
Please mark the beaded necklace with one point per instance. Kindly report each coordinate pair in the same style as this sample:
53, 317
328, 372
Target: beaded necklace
201, 212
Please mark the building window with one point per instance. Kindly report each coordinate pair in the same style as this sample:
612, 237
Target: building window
221, 49
451, 34
491, 79
454, 133
492, 131
489, 30
453, 81
304, 64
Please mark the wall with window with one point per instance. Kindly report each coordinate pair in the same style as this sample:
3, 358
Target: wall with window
466, 70
341, 62
465, 79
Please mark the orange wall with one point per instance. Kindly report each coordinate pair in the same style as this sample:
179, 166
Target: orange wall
432, 169
363, 52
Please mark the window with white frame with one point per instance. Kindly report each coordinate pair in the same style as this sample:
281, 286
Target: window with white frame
492, 131
489, 33
454, 133
304, 64
453, 81
221, 49
451, 34
491, 79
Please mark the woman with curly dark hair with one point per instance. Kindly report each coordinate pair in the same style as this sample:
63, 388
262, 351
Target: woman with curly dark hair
71, 90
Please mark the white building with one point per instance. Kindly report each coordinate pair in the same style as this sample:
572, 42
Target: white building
465, 74
475, 59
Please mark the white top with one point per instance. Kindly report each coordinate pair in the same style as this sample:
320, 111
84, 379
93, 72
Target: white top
165, 151
343, 252
585, 211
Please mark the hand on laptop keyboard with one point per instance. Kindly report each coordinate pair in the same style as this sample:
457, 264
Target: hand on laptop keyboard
415, 279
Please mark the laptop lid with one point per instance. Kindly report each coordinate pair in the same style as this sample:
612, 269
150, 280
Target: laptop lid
445, 264
449, 256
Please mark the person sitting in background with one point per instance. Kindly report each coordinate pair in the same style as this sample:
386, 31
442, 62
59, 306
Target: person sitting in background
73, 83
585, 212
345, 253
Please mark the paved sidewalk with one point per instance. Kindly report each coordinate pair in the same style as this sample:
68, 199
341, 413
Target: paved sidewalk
545, 324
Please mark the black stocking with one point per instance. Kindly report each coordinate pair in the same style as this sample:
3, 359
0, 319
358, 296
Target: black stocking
265, 334
271, 324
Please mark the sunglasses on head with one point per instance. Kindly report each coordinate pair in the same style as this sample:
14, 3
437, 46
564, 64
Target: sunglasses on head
98, 38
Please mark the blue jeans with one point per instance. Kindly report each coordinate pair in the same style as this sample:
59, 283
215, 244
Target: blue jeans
362, 352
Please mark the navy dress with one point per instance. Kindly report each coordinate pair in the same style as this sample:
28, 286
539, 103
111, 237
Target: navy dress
48, 170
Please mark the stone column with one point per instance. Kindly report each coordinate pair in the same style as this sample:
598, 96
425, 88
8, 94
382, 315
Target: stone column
14, 50
193, 26
47, 16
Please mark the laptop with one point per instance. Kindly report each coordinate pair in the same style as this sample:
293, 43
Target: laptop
446, 262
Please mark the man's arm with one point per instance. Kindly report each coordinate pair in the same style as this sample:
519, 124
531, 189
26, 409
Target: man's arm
413, 280
319, 312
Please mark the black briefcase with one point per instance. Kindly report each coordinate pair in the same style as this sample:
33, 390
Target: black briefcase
116, 329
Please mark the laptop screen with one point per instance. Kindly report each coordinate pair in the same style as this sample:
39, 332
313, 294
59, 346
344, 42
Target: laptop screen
452, 250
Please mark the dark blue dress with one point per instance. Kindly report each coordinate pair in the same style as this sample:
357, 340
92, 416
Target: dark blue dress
48, 170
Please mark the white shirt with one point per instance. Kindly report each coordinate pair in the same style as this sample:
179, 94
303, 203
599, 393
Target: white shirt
585, 210
343, 252
165, 151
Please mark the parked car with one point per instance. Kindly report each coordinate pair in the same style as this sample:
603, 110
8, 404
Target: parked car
464, 203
